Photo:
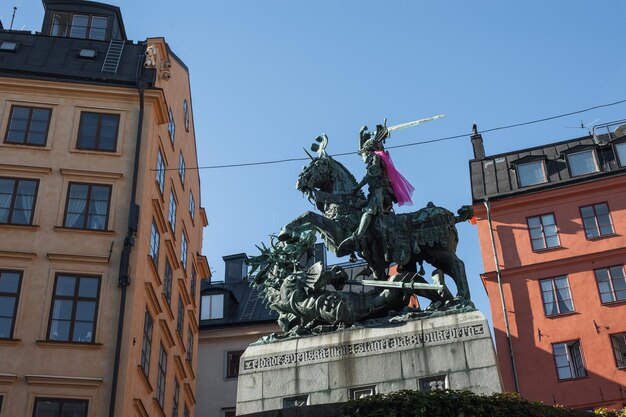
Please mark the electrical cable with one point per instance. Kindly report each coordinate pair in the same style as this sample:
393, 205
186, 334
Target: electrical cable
406, 145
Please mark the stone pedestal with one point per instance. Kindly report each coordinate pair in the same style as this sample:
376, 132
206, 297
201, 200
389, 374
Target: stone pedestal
452, 351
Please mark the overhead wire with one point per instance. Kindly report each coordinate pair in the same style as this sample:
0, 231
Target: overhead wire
406, 145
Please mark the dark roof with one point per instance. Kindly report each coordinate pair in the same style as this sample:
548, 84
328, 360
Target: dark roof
495, 176
56, 58
242, 305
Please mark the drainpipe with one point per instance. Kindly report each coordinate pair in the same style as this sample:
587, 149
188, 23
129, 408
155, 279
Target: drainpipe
503, 302
129, 241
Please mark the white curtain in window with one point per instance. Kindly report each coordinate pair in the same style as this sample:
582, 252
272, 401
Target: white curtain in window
100, 209
5, 204
75, 207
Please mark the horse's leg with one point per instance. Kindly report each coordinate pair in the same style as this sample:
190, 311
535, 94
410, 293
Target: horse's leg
451, 265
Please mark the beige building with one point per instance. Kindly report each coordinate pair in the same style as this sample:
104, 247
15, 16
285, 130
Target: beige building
101, 224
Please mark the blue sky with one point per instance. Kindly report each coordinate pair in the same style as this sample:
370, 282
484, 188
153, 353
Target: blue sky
269, 76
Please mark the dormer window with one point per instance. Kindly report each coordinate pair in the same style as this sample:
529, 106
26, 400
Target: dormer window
212, 307
620, 150
531, 173
81, 26
581, 163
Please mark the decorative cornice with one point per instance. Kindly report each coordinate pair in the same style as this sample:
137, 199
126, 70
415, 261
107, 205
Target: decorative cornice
7, 379
189, 392
153, 300
190, 371
85, 259
84, 231
192, 321
167, 334
17, 255
66, 381
158, 215
91, 174
68, 345
158, 407
182, 290
171, 251
180, 368
168, 307
141, 410
144, 380
10, 168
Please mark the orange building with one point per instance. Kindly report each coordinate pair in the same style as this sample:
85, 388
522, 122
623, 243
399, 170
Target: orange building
101, 223
552, 228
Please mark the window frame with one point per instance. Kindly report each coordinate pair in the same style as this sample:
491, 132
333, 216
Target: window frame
189, 353
231, 370
175, 398
171, 126
61, 402
180, 317
611, 284
193, 283
186, 113
172, 207
14, 199
97, 135
86, 210
181, 168
555, 296
184, 249
146, 343
210, 309
17, 300
155, 244
160, 172
192, 206
617, 147
161, 376
88, 29
594, 156
569, 344
75, 299
543, 234
595, 217
28, 126
612, 337
543, 171
168, 274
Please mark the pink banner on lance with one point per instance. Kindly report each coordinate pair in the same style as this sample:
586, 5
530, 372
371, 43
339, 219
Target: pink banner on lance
402, 188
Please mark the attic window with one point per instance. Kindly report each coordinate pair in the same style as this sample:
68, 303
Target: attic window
620, 149
212, 307
531, 173
581, 163
7, 46
87, 54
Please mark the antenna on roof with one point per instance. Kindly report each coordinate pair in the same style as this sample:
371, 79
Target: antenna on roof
13, 17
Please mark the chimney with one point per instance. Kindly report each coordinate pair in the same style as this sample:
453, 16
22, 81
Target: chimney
235, 268
477, 143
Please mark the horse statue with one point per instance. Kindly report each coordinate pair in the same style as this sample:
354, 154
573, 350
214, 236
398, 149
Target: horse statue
427, 235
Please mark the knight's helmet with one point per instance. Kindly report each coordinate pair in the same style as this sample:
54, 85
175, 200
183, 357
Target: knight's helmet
369, 142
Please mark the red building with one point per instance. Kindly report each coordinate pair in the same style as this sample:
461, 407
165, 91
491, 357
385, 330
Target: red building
552, 228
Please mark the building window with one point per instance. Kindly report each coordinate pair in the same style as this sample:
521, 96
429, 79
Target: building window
232, 363
28, 126
87, 206
192, 283
212, 307
60, 407
192, 206
581, 163
171, 217
362, 392
175, 399
183, 250
98, 131
181, 168
433, 383
569, 360
229, 412
10, 283
531, 173
597, 220
556, 296
180, 318
171, 126
167, 281
619, 348
189, 346
82, 26
146, 343
185, 412
154, 244
160, 389
74, 308
17, 200
160, 171
186, 112
611, 283
543, 232
297, 401
620, 149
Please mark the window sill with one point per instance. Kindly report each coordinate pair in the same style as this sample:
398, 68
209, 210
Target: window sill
96, 152
607, 236
155, 271
10, 342
26, 146
556, 316
158, 407
68, 345
144, 380
553, 248
571, 379
84, 231
29, 227
613, 303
